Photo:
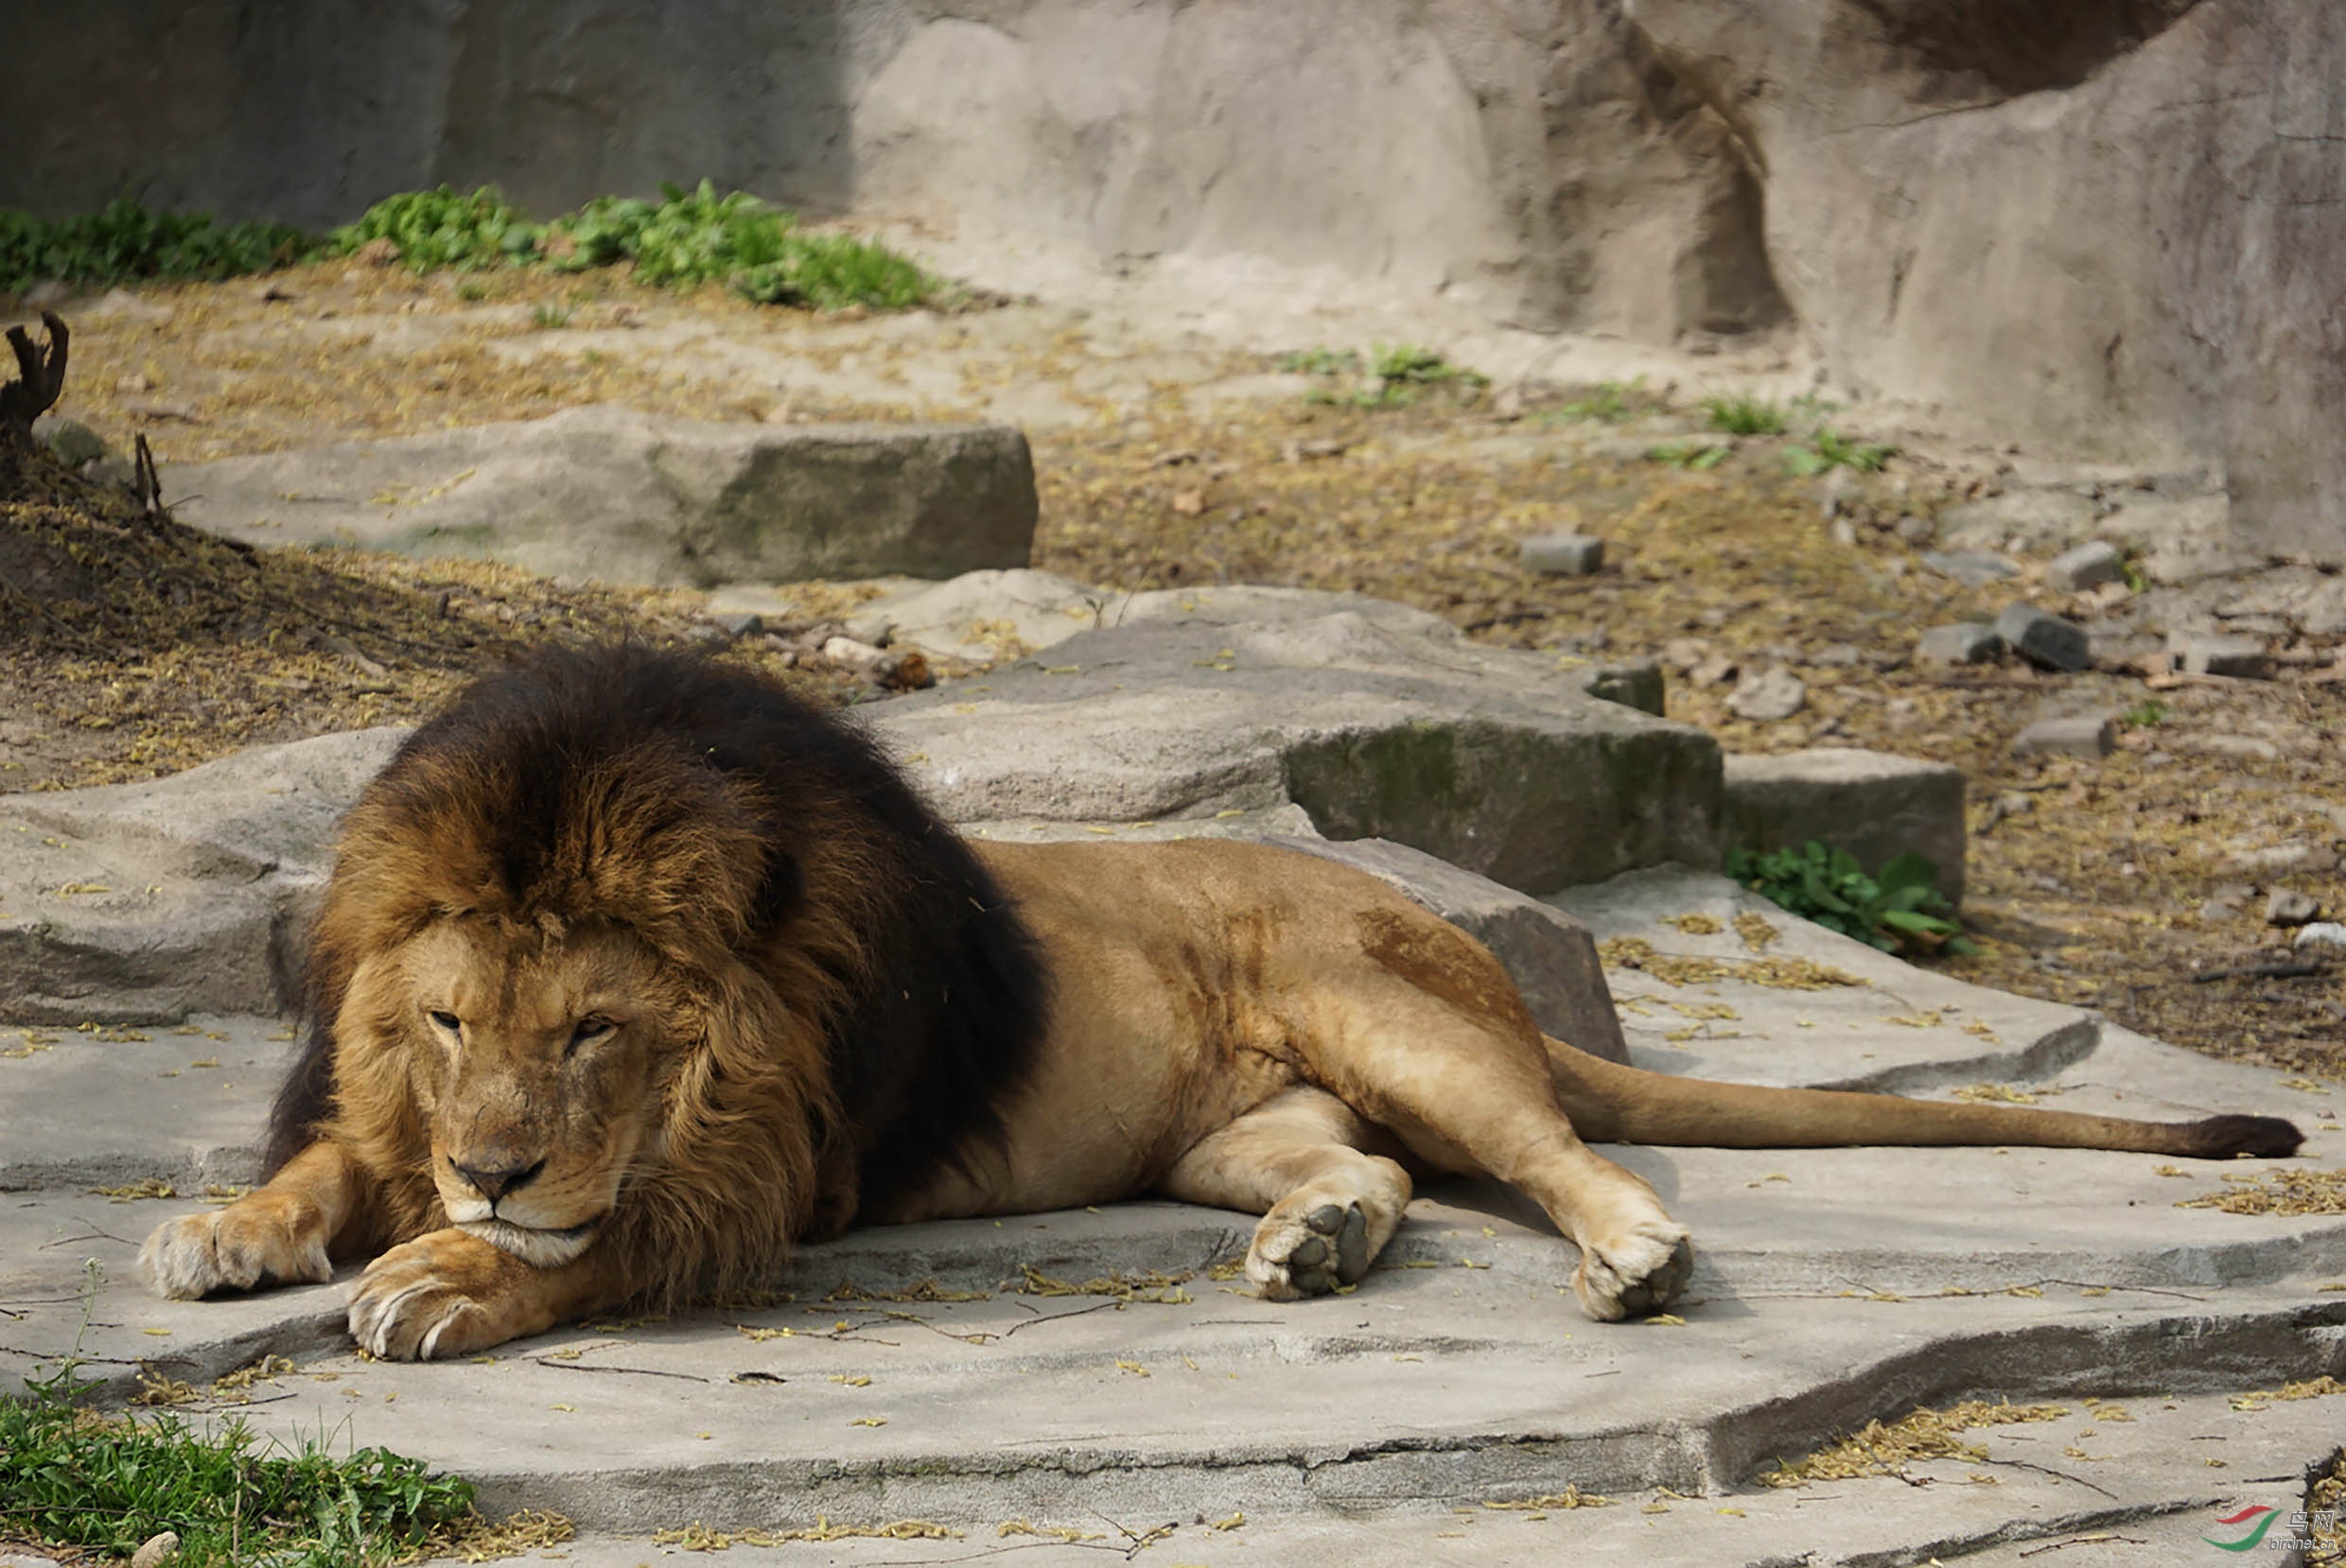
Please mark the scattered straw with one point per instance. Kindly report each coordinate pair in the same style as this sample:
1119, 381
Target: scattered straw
1790, 974
1570, 1497
2000, 1094
148, 1187
2315, 1388
473, 1538
1147, 1286
1880, 1450
1756, 930
927, 1290
2278, 1193
2327, 1501
1693, 925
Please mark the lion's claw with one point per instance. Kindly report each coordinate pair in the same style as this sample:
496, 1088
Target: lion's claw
403, 1307
232, 1248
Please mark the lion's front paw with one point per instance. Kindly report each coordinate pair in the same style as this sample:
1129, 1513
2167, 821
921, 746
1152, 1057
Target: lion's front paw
441, 1295
1634, 1273
235, 1248
1309, 1249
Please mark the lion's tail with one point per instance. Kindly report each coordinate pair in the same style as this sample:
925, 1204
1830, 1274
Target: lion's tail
1613, 1104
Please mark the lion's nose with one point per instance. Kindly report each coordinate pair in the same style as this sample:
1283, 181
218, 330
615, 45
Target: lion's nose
494, 1181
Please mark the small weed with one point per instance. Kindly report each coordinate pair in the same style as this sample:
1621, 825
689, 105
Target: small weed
550, 318
1746, 414
2130, 572
126, 243
1695, 455
1391, 376
1610, 403
2147, 714
1828, 448
74, 1477
1898, 909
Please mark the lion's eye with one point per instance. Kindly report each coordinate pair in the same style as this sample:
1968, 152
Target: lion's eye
591, 1028
445, 1023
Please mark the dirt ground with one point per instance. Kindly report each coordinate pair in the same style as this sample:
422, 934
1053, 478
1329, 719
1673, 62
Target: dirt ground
2105, 885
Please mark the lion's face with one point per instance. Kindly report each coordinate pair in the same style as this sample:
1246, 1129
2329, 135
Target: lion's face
535, 1057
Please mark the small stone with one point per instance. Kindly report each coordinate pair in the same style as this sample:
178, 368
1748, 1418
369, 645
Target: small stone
2326, 934
1632, 683
877, 629
1715, 671
2086, 735
74, 442
1965, 642
157, 1550
738, 623
2088, 566
1563, 554
1777, 695
2287, 907
2044, 639
1973, 569
1683, 653
2014, 803
1916, 530
2220, 654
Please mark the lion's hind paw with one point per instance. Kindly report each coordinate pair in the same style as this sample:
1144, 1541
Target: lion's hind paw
225, 1250
1311, 1253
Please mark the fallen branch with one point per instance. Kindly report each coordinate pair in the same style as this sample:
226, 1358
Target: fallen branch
40, 376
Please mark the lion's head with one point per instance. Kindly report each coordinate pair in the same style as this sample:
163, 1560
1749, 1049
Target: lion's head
641, 951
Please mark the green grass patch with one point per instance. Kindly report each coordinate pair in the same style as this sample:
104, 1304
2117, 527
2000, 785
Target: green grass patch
127, 243
687, 238
2147, 714
1828, 448
1695, 456
1744, 414
71, 1476
1609, 402
1898, 909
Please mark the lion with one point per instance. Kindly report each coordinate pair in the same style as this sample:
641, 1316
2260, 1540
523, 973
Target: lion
636, 970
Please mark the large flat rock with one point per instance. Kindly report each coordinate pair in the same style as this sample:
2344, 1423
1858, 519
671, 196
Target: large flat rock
1376, 724
620, 496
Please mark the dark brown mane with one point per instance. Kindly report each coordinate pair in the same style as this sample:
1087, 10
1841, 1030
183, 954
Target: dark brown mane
722, 818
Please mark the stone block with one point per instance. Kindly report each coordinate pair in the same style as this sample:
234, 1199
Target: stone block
1965, 642
2087, 735
1873, 805
620, 496
2088, 566
2044, 639
1563, 554
2220, 654
1550, 954
1636, 683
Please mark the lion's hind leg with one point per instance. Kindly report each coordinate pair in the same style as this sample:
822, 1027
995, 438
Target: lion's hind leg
1328, 1207
282, 1234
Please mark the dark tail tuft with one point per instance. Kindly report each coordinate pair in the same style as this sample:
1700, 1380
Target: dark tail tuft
2224, 1137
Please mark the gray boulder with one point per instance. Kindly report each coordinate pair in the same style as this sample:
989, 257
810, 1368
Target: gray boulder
620, 496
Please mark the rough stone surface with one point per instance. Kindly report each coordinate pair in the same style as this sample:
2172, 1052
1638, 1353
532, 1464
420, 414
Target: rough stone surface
620, 496
1376, 724
2287, 907
1818, 1303
2088, 566
1873, 805
139, 902
2086, 735
2084, 222
1965, 642
1563, 554
2220, 654
2043, 638
1550, 954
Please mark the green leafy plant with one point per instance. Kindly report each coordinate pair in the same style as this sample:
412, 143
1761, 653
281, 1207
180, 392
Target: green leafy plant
124, 242
444, 227
1746, 414
1828, 448
1321, 361
106, 1482
1696, 455
2147, 714
1898, 909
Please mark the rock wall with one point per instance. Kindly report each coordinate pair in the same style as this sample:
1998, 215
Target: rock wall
2102, 225
2109, 225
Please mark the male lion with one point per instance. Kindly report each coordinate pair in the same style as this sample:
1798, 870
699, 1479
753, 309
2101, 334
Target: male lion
636, 969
